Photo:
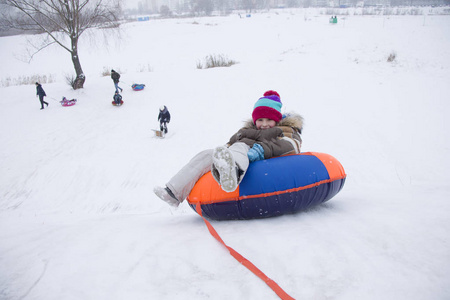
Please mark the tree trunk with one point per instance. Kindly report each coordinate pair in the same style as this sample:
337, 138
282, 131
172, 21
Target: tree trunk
79, 81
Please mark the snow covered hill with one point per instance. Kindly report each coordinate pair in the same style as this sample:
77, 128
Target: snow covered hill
78, 219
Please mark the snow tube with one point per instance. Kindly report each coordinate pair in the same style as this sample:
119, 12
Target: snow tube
65, 102
138, 87
115, 104
272, 187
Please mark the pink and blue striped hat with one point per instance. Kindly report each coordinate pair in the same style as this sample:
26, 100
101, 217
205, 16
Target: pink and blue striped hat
268, 107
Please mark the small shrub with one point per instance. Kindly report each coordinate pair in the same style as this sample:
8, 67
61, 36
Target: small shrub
215, 61
26, 80
106, 71
391, 57
143, 68
70, 79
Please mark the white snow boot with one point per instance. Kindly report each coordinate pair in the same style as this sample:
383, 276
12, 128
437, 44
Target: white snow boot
224, 169
165, 194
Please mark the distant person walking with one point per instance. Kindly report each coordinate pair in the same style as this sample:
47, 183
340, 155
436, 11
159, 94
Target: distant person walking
115, 77
41, 93
163, 118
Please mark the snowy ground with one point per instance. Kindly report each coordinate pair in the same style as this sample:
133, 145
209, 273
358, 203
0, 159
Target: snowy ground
78, 219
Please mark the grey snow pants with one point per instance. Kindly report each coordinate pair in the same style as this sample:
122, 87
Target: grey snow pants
182, 183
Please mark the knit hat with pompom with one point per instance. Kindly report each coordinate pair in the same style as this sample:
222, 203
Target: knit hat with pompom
268, 107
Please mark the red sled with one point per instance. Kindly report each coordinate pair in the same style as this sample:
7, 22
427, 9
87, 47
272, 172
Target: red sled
115, 104
66, 102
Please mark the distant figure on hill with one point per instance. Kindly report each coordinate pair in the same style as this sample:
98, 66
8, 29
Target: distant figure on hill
41, 93
115, 77
163, 118
117, 98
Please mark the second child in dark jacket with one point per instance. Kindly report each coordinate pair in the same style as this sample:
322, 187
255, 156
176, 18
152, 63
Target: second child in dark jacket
117, 98
163, 118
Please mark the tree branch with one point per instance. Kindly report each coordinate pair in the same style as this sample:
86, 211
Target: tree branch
39, 50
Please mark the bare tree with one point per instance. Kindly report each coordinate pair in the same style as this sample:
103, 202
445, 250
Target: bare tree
60, 19
202, 6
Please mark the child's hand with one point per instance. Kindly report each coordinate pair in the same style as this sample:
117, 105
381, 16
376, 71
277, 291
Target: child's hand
255, 153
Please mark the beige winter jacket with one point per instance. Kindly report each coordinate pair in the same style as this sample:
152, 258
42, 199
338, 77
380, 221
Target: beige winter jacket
280, 140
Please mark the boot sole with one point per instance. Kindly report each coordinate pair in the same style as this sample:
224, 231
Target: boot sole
224, 163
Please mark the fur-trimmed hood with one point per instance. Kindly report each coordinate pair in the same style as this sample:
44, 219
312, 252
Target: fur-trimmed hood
293, 120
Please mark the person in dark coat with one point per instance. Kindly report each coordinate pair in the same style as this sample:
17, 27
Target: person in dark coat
163, 118
41, 93
115, 77
117, 98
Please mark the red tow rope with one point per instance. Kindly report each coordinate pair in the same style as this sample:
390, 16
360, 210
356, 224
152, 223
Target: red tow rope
272, 284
